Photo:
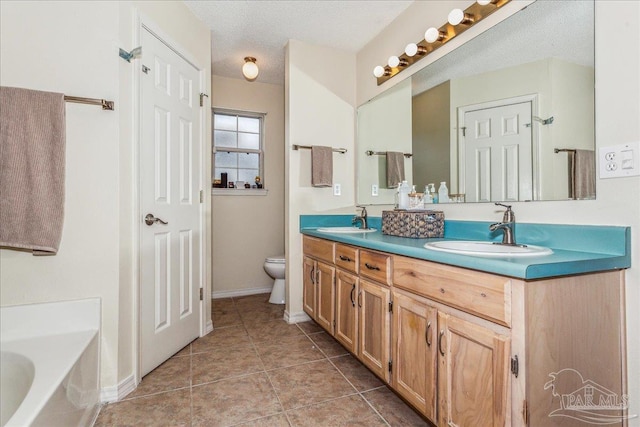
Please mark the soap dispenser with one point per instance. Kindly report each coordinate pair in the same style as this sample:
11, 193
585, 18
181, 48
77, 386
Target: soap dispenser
434, 194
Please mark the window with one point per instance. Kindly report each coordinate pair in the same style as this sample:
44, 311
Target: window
237, 146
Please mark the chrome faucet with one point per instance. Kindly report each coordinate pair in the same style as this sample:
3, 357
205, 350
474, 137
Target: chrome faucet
508, 226
362, 218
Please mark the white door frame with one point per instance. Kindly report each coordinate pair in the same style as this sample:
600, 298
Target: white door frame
144, 23
535, 137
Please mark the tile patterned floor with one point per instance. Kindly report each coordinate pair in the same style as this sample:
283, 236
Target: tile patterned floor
256, 370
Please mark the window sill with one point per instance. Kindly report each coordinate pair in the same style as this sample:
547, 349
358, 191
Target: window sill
239, 192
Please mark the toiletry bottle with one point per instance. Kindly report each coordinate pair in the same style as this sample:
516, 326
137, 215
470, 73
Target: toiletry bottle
403, 197
397, 196
434, 195
443, 193
427, 195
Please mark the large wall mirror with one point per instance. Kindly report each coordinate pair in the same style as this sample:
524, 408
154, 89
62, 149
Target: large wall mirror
507, 116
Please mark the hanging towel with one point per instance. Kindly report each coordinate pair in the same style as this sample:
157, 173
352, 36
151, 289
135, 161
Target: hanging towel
582, 175
321, 166
32, 162
395, 168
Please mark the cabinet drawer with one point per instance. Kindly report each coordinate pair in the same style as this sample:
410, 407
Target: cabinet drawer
376, 266
347, 257
482, 294
318, 248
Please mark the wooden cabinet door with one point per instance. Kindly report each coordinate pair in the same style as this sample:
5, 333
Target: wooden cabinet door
415, 354
473, 374
374, 327
325, 296
309, 286
346, 310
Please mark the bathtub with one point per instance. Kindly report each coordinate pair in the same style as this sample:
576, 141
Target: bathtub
49, 357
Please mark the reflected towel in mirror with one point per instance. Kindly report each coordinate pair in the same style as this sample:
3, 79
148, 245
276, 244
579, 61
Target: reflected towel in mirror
395, 168
582, 173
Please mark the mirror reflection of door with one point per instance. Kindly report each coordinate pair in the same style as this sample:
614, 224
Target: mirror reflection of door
497, 155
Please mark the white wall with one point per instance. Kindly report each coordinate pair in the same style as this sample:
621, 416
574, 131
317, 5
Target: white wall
72, 47
69, 48
617, 112
319, 110
247, 229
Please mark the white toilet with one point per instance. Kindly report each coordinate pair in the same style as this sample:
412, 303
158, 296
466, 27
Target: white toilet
274, 266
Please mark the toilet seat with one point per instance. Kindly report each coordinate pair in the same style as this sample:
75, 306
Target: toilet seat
279, 259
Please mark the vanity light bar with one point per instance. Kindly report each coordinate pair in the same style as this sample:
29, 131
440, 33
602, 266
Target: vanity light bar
470, 16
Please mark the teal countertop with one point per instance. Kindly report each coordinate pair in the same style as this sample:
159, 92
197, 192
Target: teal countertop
577, 249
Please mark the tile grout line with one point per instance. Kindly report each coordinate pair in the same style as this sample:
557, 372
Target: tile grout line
360, 393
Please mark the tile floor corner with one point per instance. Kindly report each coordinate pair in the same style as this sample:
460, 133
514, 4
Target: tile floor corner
255, 370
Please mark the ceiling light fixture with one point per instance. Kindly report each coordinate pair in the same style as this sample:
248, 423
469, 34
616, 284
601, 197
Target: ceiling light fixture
434, 38
250, 68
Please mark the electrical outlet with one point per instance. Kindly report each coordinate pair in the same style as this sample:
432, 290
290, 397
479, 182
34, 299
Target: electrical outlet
336, 189
620, 160
374, 190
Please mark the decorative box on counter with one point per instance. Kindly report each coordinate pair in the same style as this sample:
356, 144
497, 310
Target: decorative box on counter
415, 224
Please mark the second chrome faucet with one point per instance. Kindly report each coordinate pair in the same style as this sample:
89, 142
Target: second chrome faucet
508, 226
362, 219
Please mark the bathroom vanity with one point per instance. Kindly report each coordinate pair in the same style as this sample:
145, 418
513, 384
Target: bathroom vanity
476, 342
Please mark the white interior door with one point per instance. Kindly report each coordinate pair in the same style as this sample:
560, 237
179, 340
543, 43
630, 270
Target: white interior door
498, 153
170, 252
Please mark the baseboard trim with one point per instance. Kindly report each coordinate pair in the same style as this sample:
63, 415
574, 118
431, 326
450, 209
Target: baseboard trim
119, 391
209, 327
240, 292
296, 317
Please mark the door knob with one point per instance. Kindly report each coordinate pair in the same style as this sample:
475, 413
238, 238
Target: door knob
150, 220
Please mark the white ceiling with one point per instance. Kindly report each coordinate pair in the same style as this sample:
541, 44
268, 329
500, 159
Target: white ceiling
261, 29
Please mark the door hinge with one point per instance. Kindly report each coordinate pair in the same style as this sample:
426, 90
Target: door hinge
525, 413
514, 365
390, 306
390, 365
464, 130
201, 294
202, 95
201, 196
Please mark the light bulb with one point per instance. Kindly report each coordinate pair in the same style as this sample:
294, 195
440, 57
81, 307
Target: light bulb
393, 62
411, 49
484, 2
378, 71
457, 16
432, 35
250, 69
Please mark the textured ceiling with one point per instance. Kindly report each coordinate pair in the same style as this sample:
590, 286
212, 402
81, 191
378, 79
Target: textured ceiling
261, 29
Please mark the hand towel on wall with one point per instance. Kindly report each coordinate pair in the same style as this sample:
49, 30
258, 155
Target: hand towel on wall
321, 166
32, 169
395, 168
582, 175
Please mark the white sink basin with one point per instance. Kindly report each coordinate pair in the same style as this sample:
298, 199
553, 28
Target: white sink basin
471, 247
345, 230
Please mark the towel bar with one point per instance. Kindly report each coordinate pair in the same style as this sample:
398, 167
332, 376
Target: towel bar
106, 105
384, 153
308, 147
